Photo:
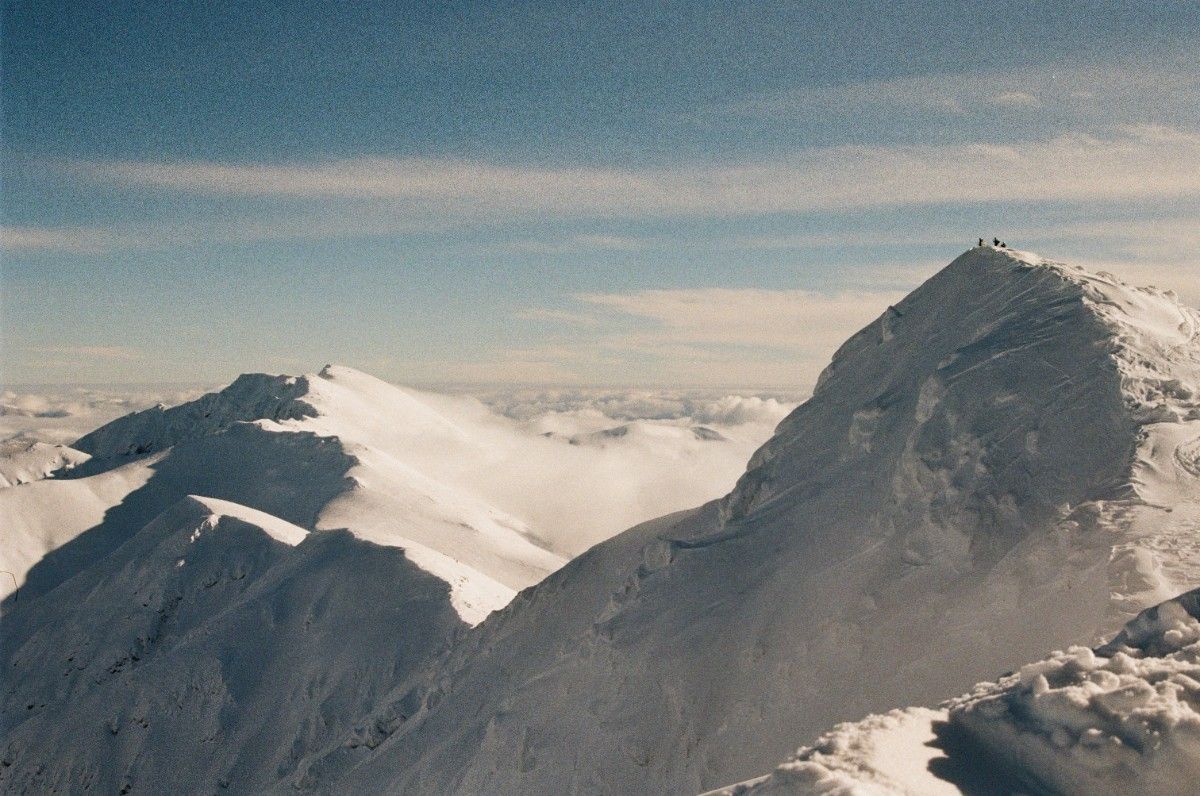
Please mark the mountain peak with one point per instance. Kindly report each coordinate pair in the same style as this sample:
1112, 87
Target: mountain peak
980, 477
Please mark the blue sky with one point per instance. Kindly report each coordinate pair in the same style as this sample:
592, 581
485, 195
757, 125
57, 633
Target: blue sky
654, 193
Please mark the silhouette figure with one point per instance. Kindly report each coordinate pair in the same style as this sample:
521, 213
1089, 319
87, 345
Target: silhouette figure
995, 241
981, 241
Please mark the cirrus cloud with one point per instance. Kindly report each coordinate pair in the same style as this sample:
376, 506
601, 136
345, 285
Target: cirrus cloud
1135, 162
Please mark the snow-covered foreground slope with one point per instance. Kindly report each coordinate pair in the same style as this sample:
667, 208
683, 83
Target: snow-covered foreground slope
998, 466
1121, 719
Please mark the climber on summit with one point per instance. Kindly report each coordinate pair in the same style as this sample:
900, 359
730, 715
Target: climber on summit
995, 241
981, 242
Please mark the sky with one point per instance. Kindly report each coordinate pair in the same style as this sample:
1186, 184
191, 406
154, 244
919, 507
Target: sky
673, 194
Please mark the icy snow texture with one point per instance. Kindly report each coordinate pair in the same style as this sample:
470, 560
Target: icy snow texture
1113, 721
998, 466
1122, 719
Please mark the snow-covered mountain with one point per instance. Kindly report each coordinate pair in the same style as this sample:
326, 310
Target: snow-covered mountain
316, 451
208, 652
190, 573
1000, 465
226, 584
283, 586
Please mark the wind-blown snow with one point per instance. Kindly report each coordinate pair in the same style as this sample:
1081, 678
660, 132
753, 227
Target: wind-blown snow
1122, 719
1112, 721
994, 468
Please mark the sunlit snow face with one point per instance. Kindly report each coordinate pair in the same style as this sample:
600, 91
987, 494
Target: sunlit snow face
577, 465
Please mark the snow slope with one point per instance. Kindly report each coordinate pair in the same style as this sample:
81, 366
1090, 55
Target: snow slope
23, 461
1112, 721
207, 653
998, 466
217, 589
311, 450
225, 585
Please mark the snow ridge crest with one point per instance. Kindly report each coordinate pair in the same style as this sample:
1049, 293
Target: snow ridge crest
251, 397
994, 332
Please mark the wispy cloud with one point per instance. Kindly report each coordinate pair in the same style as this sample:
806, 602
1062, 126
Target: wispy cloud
110, 352
1135, 163
543, 314
574, 244
1017, 99
789, 320
1117, 92
74, 240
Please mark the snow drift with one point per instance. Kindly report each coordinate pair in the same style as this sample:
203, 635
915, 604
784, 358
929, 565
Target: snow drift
1119, 719
998, 466
1122, 719
23, 461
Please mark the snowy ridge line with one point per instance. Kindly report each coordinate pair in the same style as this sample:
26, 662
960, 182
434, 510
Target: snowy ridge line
1153, 346
252, 396
482, 552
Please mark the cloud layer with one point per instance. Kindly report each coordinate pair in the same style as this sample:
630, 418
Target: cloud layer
1134, 162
